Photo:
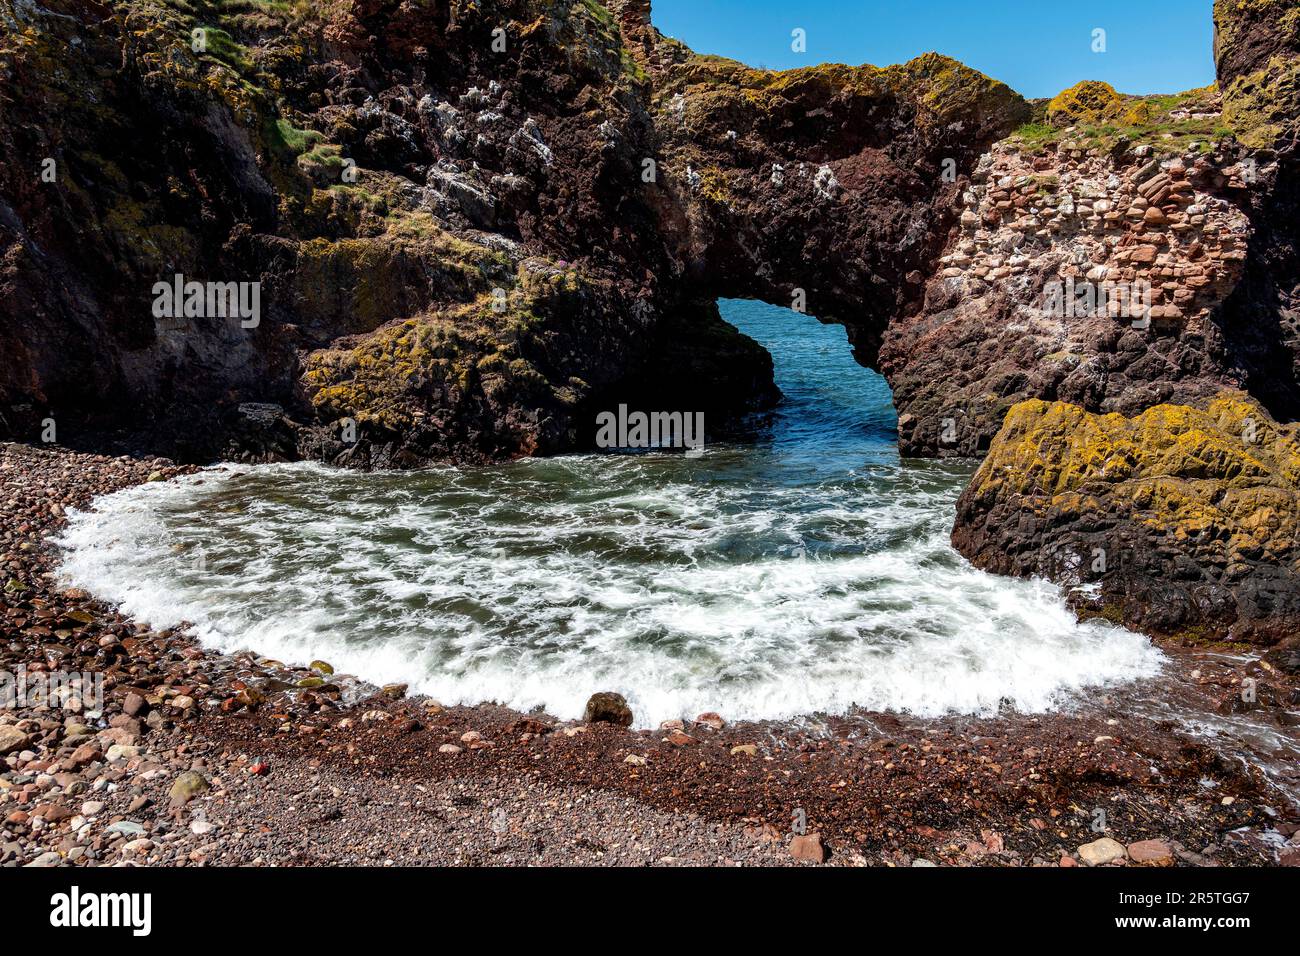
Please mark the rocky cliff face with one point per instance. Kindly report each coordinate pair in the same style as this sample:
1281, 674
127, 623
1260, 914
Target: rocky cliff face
472, 224
1257, 50
431, 223
1192, 194
1089, 275
1179, 518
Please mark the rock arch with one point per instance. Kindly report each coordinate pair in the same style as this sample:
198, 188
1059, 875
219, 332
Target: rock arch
496, 264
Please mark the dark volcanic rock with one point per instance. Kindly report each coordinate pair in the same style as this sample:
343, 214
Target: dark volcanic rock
472, 225
1257, 52
1178, 521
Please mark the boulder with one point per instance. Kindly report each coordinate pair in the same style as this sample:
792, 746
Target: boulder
1102, 503
608, 707
1151, 853
12, 739
711, 720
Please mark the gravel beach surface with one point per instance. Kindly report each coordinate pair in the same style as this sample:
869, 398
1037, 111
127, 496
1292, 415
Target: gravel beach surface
196, 758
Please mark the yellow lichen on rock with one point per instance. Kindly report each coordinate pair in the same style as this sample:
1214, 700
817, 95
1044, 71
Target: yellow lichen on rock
947, 90
1181, 521
942, 88
1054, 447
1261, 106
1090, 101
443, 358
1226, 473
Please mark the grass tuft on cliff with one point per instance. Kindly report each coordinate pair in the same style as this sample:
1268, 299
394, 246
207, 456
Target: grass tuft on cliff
1092, 115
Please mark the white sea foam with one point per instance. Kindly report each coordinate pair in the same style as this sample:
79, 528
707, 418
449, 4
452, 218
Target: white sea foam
540, 582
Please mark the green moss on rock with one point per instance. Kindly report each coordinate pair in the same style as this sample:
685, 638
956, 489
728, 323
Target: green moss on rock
1257, 51
449, 358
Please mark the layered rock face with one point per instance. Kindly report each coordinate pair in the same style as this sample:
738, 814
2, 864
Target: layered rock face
1181, 518
1078, 275
471, 224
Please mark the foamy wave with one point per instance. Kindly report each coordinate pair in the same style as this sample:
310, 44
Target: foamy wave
541, 582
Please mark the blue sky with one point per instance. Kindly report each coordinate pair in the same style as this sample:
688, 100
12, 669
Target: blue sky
1039, 47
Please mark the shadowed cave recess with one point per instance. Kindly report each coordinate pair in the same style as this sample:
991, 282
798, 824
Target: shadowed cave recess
475, 225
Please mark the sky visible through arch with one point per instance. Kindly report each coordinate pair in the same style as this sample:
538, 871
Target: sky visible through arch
1038, 47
